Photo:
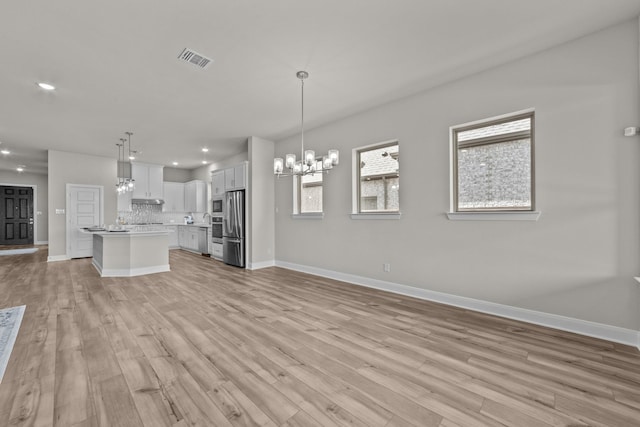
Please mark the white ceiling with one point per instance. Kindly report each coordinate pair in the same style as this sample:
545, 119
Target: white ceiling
115, 65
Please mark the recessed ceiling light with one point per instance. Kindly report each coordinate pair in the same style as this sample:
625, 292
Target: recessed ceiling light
175, 163
132, 157
5, 152
204, 162
46, 86
20, 168
205, 150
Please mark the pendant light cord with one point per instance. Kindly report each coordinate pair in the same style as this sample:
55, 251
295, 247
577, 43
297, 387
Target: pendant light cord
302, 123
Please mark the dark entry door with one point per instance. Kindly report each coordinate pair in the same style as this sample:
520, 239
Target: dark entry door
16, 215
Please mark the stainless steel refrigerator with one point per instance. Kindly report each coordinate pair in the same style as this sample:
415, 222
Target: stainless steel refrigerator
233, 228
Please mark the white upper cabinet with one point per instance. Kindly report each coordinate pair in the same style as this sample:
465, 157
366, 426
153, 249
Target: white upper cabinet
155, 182
173, 197
195, 196
234, 178
217, 183
148, 180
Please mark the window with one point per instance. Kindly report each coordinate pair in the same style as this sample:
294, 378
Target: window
493, 165
377, 178
308, 192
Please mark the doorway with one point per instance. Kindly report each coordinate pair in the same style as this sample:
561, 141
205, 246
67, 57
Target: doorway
16, 215
84, 209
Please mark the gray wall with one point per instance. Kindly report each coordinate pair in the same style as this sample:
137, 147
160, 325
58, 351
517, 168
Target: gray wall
71, 168
577, 260
204, 173
40, 181
261, 209
176, 175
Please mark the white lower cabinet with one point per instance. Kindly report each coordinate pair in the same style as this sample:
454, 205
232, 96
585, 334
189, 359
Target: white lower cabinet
182, 236
189, 237
216, 250
192, 238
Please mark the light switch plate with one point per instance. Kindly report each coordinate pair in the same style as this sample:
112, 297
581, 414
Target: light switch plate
59, 211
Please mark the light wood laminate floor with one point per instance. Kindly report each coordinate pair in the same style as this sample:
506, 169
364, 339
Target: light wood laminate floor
212, 345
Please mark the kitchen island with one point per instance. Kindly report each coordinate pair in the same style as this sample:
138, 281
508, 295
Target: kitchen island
131, 253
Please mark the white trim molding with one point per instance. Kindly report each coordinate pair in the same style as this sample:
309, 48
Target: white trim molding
583, 327
41, 242
494, 216
308, 215
376, 215
54, 258
129, 272
261, 264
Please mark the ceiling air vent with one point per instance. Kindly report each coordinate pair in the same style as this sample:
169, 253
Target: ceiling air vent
195, 58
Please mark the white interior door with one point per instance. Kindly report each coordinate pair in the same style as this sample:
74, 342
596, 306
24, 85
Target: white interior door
84, 209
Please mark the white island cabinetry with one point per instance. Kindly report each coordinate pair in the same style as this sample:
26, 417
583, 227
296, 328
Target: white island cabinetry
173, 236
131, 253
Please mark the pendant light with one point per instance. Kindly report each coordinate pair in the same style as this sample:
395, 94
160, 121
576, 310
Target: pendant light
124, 183
307, 165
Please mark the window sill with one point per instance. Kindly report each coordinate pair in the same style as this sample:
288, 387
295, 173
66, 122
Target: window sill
494, 216
379, 215
308, 215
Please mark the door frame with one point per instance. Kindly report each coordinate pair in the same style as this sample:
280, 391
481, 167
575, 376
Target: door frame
35, 209
100, 188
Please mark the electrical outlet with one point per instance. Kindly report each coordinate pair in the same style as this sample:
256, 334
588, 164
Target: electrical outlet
386, 267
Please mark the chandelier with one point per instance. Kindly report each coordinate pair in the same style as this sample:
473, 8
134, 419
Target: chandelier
308, 164
125, 183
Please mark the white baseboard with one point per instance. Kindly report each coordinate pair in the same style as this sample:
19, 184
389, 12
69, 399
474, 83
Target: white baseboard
583, 327
129, 272
53, 258
41, 242
259, 265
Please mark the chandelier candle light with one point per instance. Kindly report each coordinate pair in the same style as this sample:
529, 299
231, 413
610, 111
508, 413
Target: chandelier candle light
307, 165
124, 184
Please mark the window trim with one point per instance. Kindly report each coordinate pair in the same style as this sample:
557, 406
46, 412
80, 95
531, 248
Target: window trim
454, 146
355, 184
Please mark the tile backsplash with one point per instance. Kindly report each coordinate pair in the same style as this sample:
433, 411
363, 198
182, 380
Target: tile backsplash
143, 213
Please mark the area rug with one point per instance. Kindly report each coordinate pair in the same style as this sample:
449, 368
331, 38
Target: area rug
10, 319
17, 251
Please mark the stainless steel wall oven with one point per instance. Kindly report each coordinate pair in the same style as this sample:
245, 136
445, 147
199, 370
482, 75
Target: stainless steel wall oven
216, 229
